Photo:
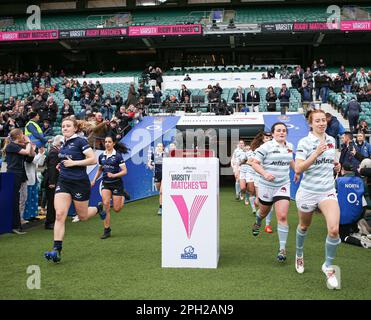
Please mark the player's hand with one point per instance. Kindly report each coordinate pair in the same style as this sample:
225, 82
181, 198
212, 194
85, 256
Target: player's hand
58, 167
269, 177
337, 167
51, 186
111, 175
68, 163
296, 177
321, 148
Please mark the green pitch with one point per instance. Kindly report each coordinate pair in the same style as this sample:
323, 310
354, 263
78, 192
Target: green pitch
128, 265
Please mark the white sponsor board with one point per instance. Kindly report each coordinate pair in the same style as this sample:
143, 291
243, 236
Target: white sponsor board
190, 216
237, 119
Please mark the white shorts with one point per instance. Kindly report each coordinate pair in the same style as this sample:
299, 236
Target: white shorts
247, 176
235, 168
256, 179
269, 195
309, 201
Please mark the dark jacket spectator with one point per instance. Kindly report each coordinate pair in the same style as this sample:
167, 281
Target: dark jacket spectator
184, 92
67, 109
68, 92
284, 96
49, 111
337, 84
214, 96
306, 93
352, 111
117, 100
132, 96
271, 98
86, 101
295, 80
253, 97
333, 126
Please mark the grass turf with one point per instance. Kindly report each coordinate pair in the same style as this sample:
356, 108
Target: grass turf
128, 265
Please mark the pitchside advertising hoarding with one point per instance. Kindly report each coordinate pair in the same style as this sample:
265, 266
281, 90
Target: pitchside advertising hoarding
190, 218
298, 26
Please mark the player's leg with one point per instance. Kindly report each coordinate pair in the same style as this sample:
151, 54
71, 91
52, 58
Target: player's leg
251, 191
282, 208
106, 198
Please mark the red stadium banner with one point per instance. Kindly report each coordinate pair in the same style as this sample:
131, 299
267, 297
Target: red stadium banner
355, 25
190, 153
165, 30
29, 35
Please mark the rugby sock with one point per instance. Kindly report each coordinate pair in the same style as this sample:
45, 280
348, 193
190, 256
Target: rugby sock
331, 245
160, 206
247, 195
259, 219
238, 188
300, 237
58, 245
283, 232
269, 218
252, 203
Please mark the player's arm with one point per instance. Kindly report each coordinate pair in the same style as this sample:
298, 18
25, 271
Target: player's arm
120, 174
97, 175
89, 160
259, 169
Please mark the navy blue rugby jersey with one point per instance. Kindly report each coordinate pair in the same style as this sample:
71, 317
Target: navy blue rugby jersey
111, 163
75, 149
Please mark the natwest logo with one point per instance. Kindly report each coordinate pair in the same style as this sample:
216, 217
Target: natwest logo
189, 217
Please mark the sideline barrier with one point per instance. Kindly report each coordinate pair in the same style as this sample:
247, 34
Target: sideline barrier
6, 202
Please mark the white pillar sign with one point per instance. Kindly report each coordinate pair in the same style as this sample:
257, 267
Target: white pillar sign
190, 216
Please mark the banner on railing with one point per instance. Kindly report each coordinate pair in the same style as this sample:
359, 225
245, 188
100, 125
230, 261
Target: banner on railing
29, 35
354, 25
165, 30
93, 33
298, 26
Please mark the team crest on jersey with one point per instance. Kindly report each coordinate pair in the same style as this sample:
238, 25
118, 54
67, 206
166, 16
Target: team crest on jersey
330, 146
289, 150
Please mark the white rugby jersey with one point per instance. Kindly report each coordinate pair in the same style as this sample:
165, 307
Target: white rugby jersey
275, 159
319, 177
244, 156
236, 155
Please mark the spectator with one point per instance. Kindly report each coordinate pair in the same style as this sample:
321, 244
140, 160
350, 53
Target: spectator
284, 72
353, 75
218, 88
186, 105
35, 81
361, 96
47, 129
271, 98
295, 79
347, 82
107, 110
34, 132
333, 126
253, 99
17, 146
187, 78
239, 98
132, 96
337, 84
51, 178
271, 73
308, 77
91, 87
68, 92
76, 91
284, 97
317, 84
363, 127
31, 165
99, 132
113, 130
314, 66
362, 78
38, 104
117, 100
84, 89
43, 94
325, 86
96, 103
208, 89
306, 95
157, 95
49, 111
264, 76
159, 79
346, 155
321, 66
184, 92
86, 101
66, 109
361, 146
352, 111
100, 87
341, 72
214, 96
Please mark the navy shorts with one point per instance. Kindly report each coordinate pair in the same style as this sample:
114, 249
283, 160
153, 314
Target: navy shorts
78, 189
158, 176
117, 188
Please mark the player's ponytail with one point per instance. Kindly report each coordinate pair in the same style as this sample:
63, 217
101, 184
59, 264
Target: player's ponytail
120, 147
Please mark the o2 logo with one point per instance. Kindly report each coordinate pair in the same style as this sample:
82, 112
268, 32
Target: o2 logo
352, 199
333, 21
